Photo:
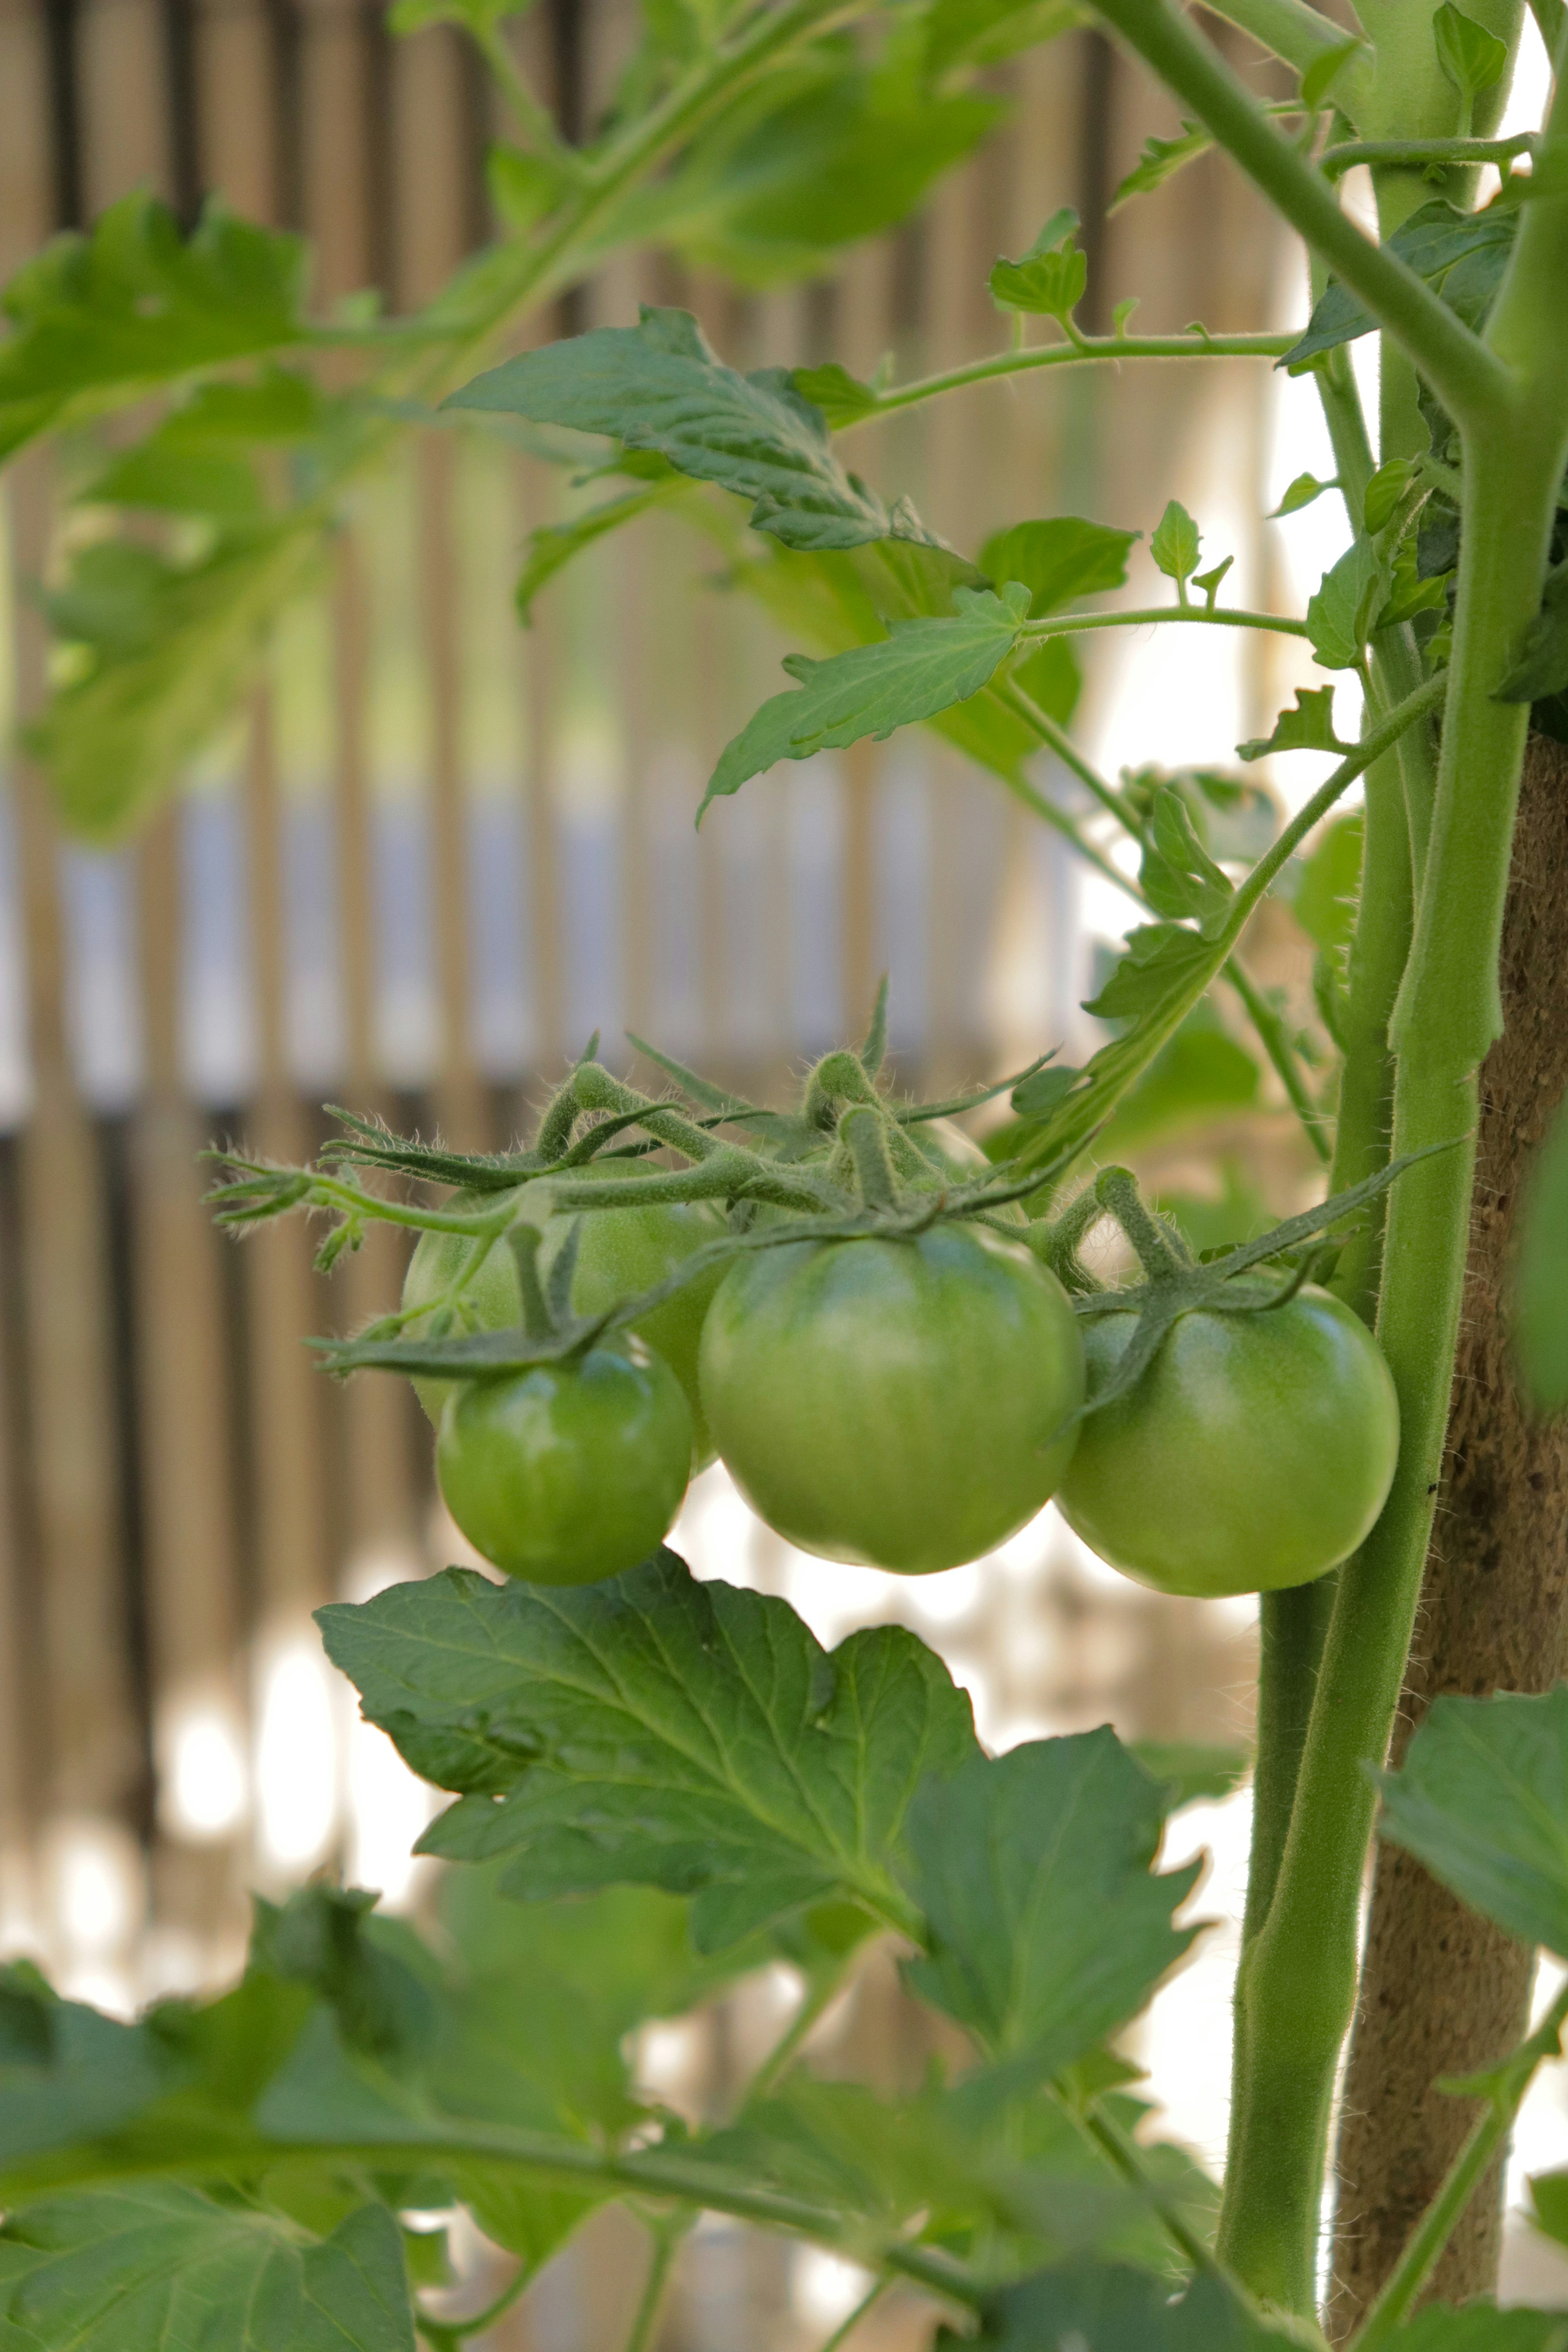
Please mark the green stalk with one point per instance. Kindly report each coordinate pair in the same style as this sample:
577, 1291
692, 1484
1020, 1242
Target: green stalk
1506, 2089
1297, 1983
1085, 349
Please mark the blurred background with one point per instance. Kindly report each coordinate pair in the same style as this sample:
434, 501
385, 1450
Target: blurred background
439, 852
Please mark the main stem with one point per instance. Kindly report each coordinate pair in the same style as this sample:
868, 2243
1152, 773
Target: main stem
1297, 1983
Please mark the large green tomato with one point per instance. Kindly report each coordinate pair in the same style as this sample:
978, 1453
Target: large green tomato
1255, 1452
567, 1473
620, 1252
895, 1403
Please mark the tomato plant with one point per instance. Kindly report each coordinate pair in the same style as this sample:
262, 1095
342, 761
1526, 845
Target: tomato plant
674, 1775
908, 1404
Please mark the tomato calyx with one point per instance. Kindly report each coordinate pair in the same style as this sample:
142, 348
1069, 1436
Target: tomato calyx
1177, 1284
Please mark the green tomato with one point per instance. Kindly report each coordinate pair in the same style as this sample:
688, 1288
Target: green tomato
567, 1473
896, 1402
1255, 1452
620, 1252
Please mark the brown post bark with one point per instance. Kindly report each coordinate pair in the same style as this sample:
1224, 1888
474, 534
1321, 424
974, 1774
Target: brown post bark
1443, 1992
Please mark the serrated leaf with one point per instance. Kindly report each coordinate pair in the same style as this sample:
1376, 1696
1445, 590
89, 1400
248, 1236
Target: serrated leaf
922, 668
1159, 960
1059, 560
99, 319
1161, 159
1037, 1095
1539, 1283
1179, 877
154, 2264
842, 398
1471, 56
1325, 70
659, 386
1327, 884
1482, 1801
1175, 543
1384, 492
66, 2071
1050, 284
823, 153
1462, 256
1541, 666
1340, 614
1083, 2306
167, 648
1307, 726
1300, 493
656, 1730
1047, 1928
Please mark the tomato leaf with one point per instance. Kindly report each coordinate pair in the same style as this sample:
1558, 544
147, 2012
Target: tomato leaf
1328, 884
1047, 1928
850, 150
1179, 877
656, 1730
1482, 1801
1300, 493
66, 2071
1340, 615
1059, 560
1461, 255
922, 668
554, 545
659, 386
99, 319
1538, 1287
1540, 665
1051, 277
1111, 2308
1471, 56
1161, 159
1175, 544
841, 397
164, 650
135, 2269
1309, 727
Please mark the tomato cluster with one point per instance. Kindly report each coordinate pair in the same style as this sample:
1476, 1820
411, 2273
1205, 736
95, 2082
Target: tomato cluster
901, 1400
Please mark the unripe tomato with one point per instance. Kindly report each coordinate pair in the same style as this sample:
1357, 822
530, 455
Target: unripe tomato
1255, 1452
895, 1403
620, 1252
567, 1473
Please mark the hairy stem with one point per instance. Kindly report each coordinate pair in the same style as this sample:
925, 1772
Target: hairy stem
1079, 353
1296, 1982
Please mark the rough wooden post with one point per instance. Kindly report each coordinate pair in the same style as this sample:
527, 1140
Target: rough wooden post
1445, 1993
